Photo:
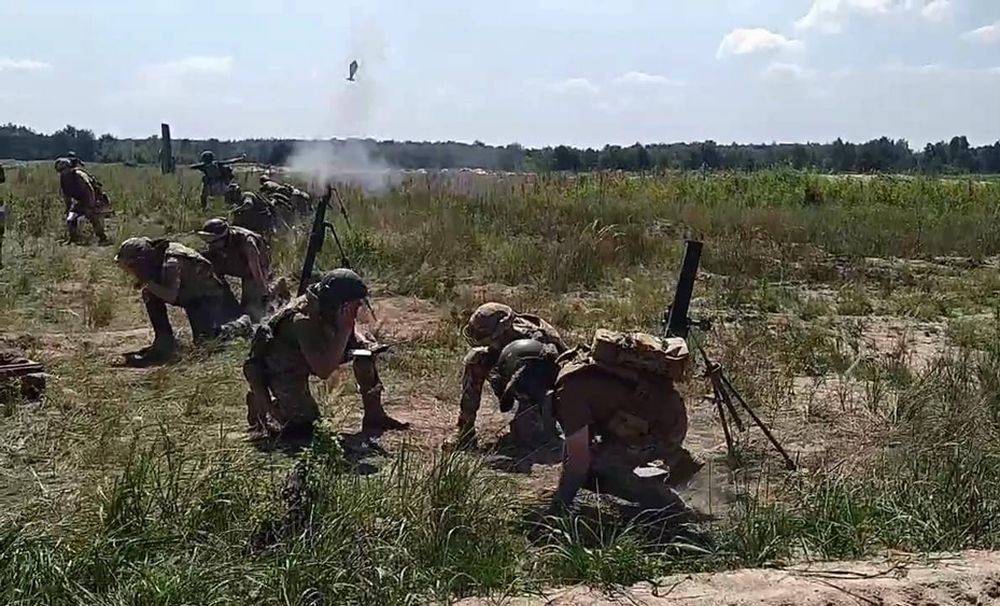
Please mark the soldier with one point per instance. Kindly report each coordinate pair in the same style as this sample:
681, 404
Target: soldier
241, 253
616, 422
169, 272
492, 327
81, 200
73, 160
298, 200
312, 336
524, 374
251, 211
215, 176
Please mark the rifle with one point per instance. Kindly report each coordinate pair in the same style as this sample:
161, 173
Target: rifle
316, 237
676, 323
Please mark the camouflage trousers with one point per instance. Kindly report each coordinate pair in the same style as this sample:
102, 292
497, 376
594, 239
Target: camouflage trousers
625, 472
208, 316
287, 400
78, 211
253, 298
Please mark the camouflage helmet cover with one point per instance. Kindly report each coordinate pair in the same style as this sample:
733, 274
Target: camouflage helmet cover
487, 321
62, 164
214, 229
133, 250
207, 156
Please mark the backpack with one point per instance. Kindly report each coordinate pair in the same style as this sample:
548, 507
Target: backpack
641, 352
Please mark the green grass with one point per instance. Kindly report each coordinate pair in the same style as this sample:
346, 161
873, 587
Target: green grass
137, 488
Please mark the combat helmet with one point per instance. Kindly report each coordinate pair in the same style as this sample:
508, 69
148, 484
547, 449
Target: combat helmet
214, 229
62, 164
133, 250
338, 287
538, 375
207, 157
486, 322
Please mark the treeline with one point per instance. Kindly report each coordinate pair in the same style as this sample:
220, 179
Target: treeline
877, 155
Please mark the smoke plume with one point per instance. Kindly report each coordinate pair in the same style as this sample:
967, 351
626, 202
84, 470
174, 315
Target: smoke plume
354, 111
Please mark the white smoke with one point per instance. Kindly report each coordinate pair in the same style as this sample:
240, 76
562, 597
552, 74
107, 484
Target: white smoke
354, 110
349, 162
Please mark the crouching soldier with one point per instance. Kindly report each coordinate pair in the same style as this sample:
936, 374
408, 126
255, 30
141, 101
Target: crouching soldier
251, 211
299, 201
241, 253
171, 273
619, 417
81, 200
524, 376
312, 336
490, 329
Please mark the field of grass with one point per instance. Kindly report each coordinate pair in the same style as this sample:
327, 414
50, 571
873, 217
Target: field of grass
860, 316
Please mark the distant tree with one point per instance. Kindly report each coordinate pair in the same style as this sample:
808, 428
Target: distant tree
565, 158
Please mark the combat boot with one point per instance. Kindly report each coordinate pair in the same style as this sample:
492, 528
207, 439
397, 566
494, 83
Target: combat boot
376, 420
163, 350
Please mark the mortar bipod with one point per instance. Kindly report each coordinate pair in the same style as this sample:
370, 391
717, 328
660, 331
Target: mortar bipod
723, 395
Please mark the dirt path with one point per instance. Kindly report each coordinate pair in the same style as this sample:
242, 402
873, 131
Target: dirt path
971, 577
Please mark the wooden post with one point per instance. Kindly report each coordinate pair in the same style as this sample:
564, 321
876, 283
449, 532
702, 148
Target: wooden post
166, 152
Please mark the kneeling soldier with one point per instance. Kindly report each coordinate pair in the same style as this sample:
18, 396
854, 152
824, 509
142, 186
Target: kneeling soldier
492, 327
312, 336
169, 272
618, 418
241, 253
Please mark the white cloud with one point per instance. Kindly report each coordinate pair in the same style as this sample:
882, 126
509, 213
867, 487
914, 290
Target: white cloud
937, 11
987, 34
830, 15
745, 41
779, 70
642, 78
23, 65
575, 86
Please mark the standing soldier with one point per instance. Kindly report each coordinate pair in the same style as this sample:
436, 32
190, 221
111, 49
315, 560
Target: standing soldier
171, 273
215, 176
490, 329
619, 417
241, 253
312, 336
81, 200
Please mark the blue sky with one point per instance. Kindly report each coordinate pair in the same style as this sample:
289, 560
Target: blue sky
536, 72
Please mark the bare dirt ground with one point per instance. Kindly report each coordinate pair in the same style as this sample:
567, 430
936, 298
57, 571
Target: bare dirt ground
971, 577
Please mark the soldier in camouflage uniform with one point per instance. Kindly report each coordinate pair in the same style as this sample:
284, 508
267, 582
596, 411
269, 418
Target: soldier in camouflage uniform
312, 336
299, 201
171, 273
81, 200
492, 327
250, 211
637, 417
215, 177
241, 253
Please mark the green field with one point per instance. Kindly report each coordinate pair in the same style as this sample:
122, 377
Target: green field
859, 315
